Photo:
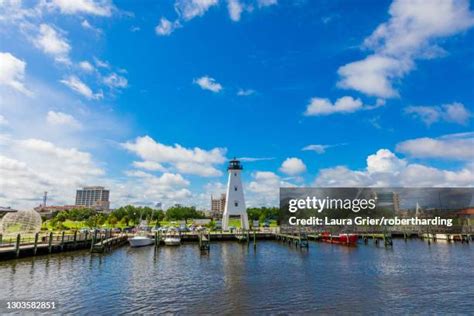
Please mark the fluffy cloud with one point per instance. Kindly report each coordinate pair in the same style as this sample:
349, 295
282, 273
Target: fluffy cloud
86, 66
195, 161
99, 8
80, 87
149, 165
40, 166
321, 106
166, 27
52, 42
12, 72
453, 112
235, 9
115, 81
408, 35
454, 146
264, 188
59, 118
293, 166
189, 9
208, 83
385, 169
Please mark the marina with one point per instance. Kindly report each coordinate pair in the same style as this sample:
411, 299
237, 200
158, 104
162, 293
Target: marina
275, 278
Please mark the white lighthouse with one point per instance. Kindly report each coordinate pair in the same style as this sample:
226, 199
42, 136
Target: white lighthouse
235, 202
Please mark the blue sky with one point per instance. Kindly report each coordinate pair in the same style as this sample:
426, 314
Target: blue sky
151, 98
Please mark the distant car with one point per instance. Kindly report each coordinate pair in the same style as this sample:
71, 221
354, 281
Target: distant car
266, 224
183, 228
232, 228
116, 230
84, 230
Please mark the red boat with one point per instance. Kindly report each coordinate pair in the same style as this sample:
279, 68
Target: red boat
343, 239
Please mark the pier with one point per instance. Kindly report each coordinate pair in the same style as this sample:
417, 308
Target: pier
19, 246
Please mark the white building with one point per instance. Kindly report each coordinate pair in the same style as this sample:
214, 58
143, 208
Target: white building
235, 202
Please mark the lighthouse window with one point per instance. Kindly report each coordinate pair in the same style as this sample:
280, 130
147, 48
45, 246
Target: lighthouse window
236, 204
235, 188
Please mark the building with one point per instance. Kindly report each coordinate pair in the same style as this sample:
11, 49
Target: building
235, 203
93, 197
5, 210
217, 206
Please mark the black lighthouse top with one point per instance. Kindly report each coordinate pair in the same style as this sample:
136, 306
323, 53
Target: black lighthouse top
234, 164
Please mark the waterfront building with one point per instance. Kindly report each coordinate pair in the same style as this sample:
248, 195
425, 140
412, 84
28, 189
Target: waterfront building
5, 210
48, 211
95, 197
218, 206
235, 202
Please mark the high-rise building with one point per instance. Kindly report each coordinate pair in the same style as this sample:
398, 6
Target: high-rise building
93, 197
217, 206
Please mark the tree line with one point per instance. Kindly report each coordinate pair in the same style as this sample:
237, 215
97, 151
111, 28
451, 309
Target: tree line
130, 215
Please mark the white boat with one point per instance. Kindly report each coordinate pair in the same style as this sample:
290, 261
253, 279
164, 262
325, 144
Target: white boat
140, 241
172, 240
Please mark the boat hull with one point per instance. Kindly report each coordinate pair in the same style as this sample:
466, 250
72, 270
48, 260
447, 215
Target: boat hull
172, 241
343, 239
140, 241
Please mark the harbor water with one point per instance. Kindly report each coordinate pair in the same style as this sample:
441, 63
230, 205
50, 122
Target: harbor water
411, 277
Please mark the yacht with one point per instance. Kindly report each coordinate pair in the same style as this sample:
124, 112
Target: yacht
140, 241
172, 238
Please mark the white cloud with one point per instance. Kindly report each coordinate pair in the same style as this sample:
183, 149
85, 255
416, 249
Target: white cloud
267, 3
3, 121
293, 166
31, 166
408, 35
101, 63
166, 27
385, 169
189, 9
235, 9
80, 87
208, 83
195, 161
454, 147
253, 159
52, 42
115, 81
373, 75
87, 26
86, 66
453, 112
245, 92
60, 118
12, 72
149, 165
99, 8
319, 148
322, 106
264, 188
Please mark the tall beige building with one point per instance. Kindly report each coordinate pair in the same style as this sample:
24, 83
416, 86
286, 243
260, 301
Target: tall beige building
93, 197
217, 206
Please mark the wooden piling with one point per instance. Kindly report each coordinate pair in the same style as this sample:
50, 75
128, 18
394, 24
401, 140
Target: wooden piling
62, 241
50, 242
75, 239
254, 239
17, 247
36, 244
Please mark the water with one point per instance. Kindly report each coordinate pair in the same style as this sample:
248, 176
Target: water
413, 277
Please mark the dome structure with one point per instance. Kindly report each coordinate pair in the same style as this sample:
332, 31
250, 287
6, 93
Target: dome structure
21, 222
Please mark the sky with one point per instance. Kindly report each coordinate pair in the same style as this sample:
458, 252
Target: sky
152, 98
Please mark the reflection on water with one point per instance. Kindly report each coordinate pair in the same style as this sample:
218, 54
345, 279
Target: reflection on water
410, 278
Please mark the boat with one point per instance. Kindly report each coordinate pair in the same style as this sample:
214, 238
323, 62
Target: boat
172, 238
141, 238
140, 241
344, 239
